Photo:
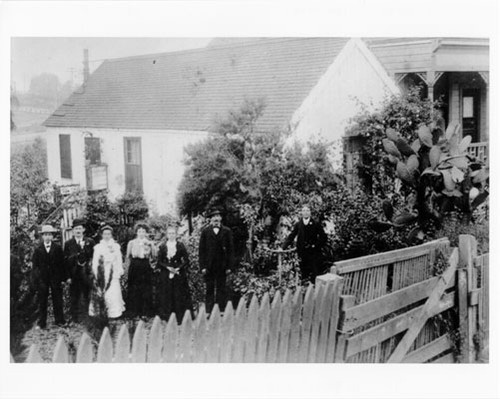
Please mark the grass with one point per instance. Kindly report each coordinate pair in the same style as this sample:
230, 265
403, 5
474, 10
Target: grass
46, 339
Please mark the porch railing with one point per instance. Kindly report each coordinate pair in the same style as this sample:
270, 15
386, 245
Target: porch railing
480, 151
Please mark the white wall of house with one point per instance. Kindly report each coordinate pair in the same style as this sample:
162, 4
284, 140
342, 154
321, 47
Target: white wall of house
355, 77
162, 156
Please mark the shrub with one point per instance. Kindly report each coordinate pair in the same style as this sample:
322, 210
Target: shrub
403, 113
244, 282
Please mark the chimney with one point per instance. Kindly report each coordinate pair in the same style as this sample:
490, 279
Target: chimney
85, 66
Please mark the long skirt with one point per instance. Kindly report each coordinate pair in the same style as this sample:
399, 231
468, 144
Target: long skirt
140, 289
114, 305
174, 296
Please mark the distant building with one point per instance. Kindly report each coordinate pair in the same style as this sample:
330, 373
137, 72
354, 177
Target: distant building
127, 126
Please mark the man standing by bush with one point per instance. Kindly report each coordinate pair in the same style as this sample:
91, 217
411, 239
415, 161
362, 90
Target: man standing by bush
49, 273
78, 253
310, 240
216, 257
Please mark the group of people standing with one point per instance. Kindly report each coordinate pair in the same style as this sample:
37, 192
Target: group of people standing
94, 271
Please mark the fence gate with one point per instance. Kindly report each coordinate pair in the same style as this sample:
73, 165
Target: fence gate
394, 307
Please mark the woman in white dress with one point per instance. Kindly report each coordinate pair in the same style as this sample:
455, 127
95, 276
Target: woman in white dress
107, 268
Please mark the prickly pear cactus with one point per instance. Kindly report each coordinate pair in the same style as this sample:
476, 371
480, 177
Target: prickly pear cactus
441, 175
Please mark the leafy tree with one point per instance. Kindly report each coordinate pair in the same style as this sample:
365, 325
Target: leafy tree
255, 176
14, 102
30, 190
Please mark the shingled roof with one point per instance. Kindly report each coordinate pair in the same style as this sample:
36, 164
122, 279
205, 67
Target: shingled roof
187, 90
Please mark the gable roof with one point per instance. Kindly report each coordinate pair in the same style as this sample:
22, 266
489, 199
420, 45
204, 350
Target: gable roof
187, 90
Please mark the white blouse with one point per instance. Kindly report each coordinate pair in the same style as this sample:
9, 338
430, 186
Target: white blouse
112, 256
171, 249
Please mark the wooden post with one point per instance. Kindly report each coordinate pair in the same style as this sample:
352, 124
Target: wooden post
346, 302
463, 314
467, 253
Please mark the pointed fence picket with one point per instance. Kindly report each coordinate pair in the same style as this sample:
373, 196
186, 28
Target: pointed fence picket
200, 336
61, 351
293, 347
139, 344
105, 349
213, 335
85, 352
155, 342
185, 338
122, 349
250, 335
263, 328
34, 355
170, 340
239, 327
274, 320
305, 327
227, 333
284, 328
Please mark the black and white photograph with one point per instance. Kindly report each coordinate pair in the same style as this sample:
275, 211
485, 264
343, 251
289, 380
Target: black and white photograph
251, 199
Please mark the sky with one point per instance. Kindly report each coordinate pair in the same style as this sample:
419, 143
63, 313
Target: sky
64, 56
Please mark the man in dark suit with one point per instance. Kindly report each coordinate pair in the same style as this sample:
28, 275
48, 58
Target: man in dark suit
310, 240
49, 274
78, 252
216, 257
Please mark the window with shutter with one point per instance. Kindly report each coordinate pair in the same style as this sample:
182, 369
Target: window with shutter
65, 152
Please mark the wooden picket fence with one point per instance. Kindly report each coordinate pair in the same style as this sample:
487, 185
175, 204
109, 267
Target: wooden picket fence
298, 327
390, 307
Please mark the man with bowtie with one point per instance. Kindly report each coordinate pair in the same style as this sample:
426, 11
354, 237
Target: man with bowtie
49, 274
78, 252
310, 240
216, 257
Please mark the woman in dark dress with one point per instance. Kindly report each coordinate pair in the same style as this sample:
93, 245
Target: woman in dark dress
140, 252
174, 293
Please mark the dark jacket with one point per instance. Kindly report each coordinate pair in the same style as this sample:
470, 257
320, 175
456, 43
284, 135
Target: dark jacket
49, 267
179, 260
216, 251
75, 255
309, 238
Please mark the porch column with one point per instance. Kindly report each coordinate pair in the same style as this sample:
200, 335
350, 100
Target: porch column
485, 108
430, 84
454, 101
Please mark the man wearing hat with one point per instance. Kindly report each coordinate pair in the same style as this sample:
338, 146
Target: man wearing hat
78, 253
48, 274
216, 257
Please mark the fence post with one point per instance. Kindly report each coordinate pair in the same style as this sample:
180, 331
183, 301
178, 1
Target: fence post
346, 302
463, 314
467, 253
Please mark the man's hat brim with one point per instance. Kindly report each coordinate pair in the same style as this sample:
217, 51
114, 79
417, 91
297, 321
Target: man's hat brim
48, 229
213, 213
78, 222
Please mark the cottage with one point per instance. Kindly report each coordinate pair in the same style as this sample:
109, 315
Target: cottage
126, 127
